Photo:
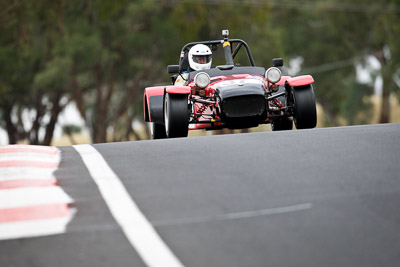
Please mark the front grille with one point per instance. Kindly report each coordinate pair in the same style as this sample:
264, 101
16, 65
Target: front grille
244, 106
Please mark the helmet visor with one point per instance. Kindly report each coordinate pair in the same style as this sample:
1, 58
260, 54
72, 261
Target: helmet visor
202, 59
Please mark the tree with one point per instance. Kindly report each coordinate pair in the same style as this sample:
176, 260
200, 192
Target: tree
101, 54
384, 44
28, 112
333, 38
111, 59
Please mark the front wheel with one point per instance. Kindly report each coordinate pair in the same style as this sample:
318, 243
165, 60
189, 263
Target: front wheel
157, 131
176, 115
305, 111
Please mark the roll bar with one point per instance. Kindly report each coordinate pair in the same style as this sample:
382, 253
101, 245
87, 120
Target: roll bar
220, 42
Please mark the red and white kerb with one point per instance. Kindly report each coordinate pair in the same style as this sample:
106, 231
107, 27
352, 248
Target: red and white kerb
31, 203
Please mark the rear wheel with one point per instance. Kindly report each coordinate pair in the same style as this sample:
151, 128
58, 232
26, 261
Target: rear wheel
157, 131
283, 124
305, 112
176, 115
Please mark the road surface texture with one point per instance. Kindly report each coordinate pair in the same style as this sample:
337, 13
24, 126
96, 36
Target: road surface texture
320, 197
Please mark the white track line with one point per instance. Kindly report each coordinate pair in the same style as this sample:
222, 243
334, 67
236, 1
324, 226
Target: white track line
140, 233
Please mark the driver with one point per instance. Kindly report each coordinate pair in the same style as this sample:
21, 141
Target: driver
200, 58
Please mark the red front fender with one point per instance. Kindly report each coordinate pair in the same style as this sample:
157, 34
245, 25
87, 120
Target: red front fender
300, 80
184, 90
154, 99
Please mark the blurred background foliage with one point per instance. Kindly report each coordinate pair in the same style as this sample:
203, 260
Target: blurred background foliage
99, 55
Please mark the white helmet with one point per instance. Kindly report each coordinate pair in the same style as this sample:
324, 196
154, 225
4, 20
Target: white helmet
200, 57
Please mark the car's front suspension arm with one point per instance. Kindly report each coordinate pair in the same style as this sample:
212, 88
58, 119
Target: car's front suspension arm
275, 96
203, 101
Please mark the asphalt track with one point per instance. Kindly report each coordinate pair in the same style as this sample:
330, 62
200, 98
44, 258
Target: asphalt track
321, 197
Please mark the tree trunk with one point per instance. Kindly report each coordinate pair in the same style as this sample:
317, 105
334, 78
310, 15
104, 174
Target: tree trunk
385, 103
55, 111
387, 83
99, 131
77, 92
102, 105
34, 133
11, 130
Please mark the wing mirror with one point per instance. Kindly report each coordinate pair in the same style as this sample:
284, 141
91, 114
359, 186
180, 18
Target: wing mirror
277, 62
173, 69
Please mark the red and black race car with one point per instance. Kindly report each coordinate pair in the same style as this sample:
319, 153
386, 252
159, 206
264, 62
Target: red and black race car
228, 96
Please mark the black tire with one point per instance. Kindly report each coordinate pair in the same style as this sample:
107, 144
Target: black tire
176, 115
305, 111
283, 124
157, 131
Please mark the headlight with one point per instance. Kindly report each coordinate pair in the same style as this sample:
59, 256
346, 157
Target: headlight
202, 79
273, 75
